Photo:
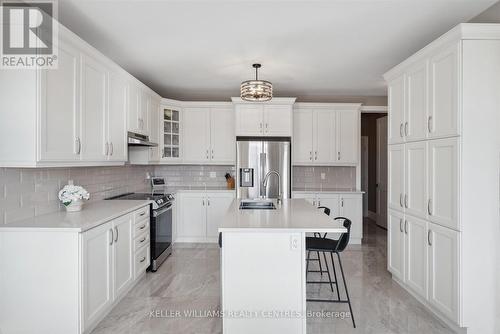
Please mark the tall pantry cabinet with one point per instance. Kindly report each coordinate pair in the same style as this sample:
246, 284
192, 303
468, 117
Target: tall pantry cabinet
443, 158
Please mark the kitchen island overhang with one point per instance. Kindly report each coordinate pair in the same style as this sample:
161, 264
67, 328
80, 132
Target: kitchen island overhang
263, 266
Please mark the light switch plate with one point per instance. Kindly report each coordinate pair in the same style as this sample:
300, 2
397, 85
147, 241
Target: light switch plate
213, 175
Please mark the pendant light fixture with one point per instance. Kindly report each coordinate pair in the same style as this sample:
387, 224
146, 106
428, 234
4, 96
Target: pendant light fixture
256, 90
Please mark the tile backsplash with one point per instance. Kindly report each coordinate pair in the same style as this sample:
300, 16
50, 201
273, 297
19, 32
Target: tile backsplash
334, 177
194, 175
28, 192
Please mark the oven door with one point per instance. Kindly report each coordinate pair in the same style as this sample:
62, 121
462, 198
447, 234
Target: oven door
161, 231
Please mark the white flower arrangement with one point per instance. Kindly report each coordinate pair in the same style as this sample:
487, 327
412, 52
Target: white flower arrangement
71, 193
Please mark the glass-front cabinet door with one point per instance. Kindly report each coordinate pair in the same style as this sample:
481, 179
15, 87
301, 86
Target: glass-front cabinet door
171, 129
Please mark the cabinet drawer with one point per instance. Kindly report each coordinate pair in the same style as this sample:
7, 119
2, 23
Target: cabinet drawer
141, 227
141, 261
141, 241
141, 214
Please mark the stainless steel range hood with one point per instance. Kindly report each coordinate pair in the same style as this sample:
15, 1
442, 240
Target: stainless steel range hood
136, 139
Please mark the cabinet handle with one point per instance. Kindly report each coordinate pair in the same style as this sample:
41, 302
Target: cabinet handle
401, 224
406, 226
267, 127
142, 213
319, 203
338, 155
429, 124
401, 130
143, 259
207, 154
116, 238
203, 202
429, 207
260, 127
142, 227
406, 129
142, 240
208, 201
429, 237
406, 201
314, 203
111, 148
106, 149
310, 155
315, 155
112, 237
212, 154
401, 200
78, 145
342, 202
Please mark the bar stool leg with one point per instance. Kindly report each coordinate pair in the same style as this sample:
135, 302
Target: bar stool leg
346, 292
320, 267
335, 276
307, 262
328, 272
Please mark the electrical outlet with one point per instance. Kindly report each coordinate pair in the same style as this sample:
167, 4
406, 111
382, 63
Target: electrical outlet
213, 175
323, 176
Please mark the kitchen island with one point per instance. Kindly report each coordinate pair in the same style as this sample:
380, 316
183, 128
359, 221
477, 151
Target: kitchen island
263, 266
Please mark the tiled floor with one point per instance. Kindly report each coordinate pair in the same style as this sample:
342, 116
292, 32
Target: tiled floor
189, 282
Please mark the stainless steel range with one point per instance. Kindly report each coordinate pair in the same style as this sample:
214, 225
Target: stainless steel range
160, 223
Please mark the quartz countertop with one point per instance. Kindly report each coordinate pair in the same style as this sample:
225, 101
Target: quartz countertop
328, 190
294, 215
92, 215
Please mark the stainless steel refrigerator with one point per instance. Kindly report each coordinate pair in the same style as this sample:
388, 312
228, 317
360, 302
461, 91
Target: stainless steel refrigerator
255, 158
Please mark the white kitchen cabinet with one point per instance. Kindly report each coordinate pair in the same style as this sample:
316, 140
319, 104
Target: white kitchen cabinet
443, 270
217, 206
170, 132
309, 197
277, 120
154, 129
324, 137
396, 179
331, 201
415, 172
122, 254
145, 110
444, 92
443, 182
396, 244
396, 105
196, 122
249, 120
116, 118
415, 125
97, 283
303, 134
416, 263
348, 142
351, 206
60, 106
94, 107
134, 121
222, 135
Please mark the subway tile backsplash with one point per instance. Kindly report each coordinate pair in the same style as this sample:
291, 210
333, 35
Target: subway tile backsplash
334, 177
194, 175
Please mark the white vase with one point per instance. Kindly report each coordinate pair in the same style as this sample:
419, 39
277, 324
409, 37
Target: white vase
75, 206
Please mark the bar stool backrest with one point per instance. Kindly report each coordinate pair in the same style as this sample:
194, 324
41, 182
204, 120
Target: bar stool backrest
344, 239
325, 210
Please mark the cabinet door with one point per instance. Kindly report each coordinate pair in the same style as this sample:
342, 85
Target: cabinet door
416, 255
415, 126
170, 133
249, 120
222, 137
154, 129
396, 101
134, 97
396, 244
325, 139
302, 136
396, 179
193, 216
144, 111
444, 95
415, 197
443, 270
217, 206
93, 115
278, 120
351, 206
196, 136
443, 182
97, 246
347, 136
116, 120
123, 257
331, 201
60, 107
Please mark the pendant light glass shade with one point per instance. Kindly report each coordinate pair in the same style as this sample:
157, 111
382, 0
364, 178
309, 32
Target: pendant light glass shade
256, 90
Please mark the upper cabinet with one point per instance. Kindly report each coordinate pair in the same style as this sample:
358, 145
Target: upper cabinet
326, 134
264, 118
139, 108
170, 132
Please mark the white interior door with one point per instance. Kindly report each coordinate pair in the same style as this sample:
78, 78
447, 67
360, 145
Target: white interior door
347, 136
381, 188
123, 270
94, 108
222, 137
277, 120
117, 121
60, 107
217, 206
415, 127
443, 182
396, 163
196, 134
303, 136
396, 101
416, 255
396, 244
193, 216
415, 198
325, 140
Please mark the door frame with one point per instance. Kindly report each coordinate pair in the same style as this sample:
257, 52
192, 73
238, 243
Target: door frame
382, 168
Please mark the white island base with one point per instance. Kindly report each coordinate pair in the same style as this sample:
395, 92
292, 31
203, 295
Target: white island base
263, 266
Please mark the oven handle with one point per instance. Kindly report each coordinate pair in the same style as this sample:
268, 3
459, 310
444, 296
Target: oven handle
162, 211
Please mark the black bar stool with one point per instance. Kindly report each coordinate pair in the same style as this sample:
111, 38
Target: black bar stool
325, 245
318, 235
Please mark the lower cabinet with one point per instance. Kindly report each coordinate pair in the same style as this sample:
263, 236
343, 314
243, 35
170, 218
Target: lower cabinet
200, 215
424, 257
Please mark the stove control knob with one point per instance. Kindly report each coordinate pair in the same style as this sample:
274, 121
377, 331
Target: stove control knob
160, 201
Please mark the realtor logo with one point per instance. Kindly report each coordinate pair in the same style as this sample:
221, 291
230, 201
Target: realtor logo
28, 34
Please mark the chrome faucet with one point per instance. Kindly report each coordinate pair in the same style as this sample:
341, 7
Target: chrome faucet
266, 179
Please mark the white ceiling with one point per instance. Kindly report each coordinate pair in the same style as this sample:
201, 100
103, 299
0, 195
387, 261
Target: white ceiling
202, 50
